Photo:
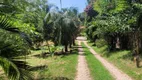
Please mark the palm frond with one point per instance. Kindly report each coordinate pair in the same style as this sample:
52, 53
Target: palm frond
15, 69
25, 75
6, 25
47, 18
21, 64
23, 68
9, 68
7, 8
26, 38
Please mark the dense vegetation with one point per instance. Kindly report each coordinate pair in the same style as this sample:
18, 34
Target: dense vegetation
25, 25
117, 25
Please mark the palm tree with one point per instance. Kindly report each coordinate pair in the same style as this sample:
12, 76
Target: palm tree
72, 14
65, 27
10, 50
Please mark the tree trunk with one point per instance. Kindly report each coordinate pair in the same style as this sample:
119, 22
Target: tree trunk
74, 42
137, 61
70, 45
66, 48
48, 47
137, 41
117, 45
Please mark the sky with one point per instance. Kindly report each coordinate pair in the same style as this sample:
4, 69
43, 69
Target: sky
80, 4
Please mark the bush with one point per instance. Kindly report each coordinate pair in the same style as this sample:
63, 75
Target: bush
100, 43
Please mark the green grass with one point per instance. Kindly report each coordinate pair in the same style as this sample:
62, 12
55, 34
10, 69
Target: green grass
122, 60
97, 70
58, 67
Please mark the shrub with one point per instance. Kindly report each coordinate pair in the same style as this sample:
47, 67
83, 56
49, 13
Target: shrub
100, 43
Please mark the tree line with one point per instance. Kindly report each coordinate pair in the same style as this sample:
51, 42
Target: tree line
116, 23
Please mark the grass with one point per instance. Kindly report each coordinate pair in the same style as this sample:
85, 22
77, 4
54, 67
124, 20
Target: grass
122, 60
58, 67
97, 70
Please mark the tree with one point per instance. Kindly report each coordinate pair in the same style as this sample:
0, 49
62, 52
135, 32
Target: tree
13, 67
65, 27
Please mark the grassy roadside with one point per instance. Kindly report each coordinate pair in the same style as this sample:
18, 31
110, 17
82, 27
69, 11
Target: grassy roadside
121, 59
98, 71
